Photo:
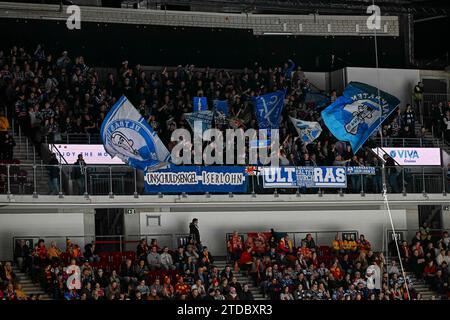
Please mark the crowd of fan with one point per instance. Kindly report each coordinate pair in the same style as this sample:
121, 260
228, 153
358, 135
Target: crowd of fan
51, 94
152, 273
344, 271
428, 257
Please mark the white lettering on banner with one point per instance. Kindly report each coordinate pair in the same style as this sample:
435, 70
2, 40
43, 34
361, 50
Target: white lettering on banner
183, 178
171, 178
331, 176
215, 178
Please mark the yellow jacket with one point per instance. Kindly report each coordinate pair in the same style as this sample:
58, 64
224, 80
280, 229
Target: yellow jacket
4, 124
53, 252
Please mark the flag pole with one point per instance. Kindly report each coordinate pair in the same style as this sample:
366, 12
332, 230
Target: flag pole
383, 167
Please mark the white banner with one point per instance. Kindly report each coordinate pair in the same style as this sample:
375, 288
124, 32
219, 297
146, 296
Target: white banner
92, 153
412, 156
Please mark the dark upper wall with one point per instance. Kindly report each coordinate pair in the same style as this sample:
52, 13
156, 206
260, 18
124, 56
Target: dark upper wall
108, 45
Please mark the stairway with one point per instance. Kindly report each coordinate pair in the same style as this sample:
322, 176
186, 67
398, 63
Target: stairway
421, 287
24, 151
28, 286
242, 279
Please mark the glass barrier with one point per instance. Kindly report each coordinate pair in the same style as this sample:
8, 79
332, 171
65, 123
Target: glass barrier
60, 180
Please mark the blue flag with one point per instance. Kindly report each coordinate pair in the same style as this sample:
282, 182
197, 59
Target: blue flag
200, 104
268, 109
290, 69
127, 135
358, 113
220, 111
204, 117
319, 100
307, 130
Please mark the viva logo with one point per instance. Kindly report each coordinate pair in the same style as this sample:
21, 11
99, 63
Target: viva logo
405, 154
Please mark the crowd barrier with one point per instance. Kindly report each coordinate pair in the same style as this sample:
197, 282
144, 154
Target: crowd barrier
28, 179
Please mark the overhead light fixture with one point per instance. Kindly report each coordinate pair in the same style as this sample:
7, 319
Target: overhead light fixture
277, 34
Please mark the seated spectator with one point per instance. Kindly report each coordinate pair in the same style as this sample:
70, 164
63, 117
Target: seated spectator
90, 252
246, 294
417, 264
337, 245
7, 274
154, 259
114, 277
142, 249
20, 294
53, 252
143, 288
179, 258
445, 240
232, 295
127, 273
181, 288
166, 260
429, 272
405, 252
363, 244
191, 253
153, 295
141, 270
113, 291
157, 286
310, 244
226, 273
206, 259
305, 251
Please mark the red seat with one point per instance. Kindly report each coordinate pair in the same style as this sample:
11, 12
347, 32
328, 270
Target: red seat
104, 257
129, 255
116, 257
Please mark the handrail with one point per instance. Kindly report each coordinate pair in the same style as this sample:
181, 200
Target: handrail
61, 157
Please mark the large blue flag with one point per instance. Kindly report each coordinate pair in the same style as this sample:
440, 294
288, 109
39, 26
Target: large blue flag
308, 131
127, 135
358, 113
268, 109
220, 111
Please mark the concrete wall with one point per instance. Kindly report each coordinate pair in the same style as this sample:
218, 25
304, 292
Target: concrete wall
398, 82
214, 225
39, 226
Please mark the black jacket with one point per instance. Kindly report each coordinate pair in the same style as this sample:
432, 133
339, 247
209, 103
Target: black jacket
194, 232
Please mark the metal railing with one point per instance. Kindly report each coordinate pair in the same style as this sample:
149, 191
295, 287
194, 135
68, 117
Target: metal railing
409, 142
28, 179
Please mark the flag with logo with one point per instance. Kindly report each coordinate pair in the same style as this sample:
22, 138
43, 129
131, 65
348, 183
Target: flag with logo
355, 115
268, 109
220, 111
200, 104
308, 131
127, 135
203, 119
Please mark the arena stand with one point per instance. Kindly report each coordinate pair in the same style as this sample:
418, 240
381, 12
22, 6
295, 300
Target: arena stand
50, 100
52, 97
260, 265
